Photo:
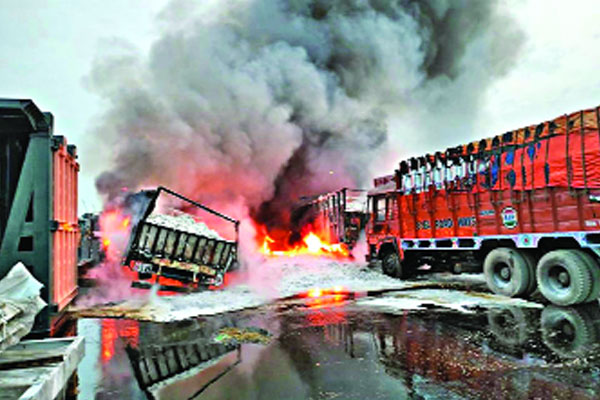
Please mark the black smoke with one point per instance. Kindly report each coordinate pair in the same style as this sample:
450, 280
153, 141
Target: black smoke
253, 103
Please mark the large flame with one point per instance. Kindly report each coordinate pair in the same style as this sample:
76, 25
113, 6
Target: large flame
312, 243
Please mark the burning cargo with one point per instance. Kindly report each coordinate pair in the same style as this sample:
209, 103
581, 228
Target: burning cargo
177, 247
340, 215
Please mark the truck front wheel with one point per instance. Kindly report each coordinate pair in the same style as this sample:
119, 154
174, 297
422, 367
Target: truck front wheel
508, 272
391, 265
564, 277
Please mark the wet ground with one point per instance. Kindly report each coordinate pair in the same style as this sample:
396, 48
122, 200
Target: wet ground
333, 346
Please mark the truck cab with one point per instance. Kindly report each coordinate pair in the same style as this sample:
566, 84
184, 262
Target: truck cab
382, 229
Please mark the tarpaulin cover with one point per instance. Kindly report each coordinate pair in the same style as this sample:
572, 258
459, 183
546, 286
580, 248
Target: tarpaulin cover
491, 186
564, 152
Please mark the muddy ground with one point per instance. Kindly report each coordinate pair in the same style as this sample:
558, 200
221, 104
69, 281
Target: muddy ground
442, 338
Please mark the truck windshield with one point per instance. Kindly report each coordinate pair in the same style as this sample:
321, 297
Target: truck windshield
380, 209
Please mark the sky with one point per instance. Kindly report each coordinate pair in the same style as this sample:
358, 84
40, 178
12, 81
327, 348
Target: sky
49, 47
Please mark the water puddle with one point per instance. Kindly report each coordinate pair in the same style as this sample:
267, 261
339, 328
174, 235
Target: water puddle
328, 347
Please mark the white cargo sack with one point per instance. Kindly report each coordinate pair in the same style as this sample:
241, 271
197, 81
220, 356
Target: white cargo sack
20, 302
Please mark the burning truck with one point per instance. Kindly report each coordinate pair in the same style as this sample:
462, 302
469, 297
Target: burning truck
179, 252
339, 215
171, 248
327, 225
523, 206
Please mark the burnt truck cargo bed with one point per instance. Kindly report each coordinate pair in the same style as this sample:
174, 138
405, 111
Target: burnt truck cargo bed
189, 257
339, 215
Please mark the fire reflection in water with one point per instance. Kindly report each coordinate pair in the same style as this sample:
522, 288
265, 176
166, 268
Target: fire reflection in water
325, 347
112, 329
324, 306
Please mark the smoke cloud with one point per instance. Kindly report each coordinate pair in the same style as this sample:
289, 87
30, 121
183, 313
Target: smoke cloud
256, 102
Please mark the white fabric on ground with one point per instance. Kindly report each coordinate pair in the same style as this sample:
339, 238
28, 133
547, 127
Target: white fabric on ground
20, 302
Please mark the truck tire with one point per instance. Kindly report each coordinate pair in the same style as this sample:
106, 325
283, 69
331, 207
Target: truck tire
391, 265
508, 272
564, 278
531, 264
568, 332
594, 269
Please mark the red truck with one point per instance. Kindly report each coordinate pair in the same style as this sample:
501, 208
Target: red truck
523, 206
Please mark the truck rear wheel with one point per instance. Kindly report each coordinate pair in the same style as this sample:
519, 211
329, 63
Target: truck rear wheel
391, 265
565, 277
508, 272
594, 269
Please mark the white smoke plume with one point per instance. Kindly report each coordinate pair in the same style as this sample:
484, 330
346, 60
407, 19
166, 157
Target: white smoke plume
252, 103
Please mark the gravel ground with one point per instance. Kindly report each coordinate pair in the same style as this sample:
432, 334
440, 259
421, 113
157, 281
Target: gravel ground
274, 279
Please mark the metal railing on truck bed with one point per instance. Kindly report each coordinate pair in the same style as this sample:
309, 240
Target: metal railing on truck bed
340, 215
179, 254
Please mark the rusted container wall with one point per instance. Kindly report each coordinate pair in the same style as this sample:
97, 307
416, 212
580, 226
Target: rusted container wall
66, 237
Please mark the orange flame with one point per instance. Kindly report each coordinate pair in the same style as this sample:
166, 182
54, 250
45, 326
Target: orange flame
65, 226
311, 244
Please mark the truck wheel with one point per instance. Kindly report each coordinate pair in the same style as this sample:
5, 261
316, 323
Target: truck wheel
568, 332
391, 265
594, 269
219, 278
508, 272
531, 264
564, 278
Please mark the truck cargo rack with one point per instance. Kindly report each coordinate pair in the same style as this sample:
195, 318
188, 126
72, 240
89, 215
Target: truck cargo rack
342, 214
187, 257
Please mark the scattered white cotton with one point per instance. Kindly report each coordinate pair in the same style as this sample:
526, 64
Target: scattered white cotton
451, 299
280, 278
185, 223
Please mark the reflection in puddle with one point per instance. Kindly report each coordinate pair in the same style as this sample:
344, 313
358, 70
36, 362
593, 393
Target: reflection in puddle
114, 329
325, 349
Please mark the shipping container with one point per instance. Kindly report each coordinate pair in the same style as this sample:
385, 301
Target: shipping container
38, 203
523, 206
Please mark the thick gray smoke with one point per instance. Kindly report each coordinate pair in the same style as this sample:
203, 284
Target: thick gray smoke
254, 102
